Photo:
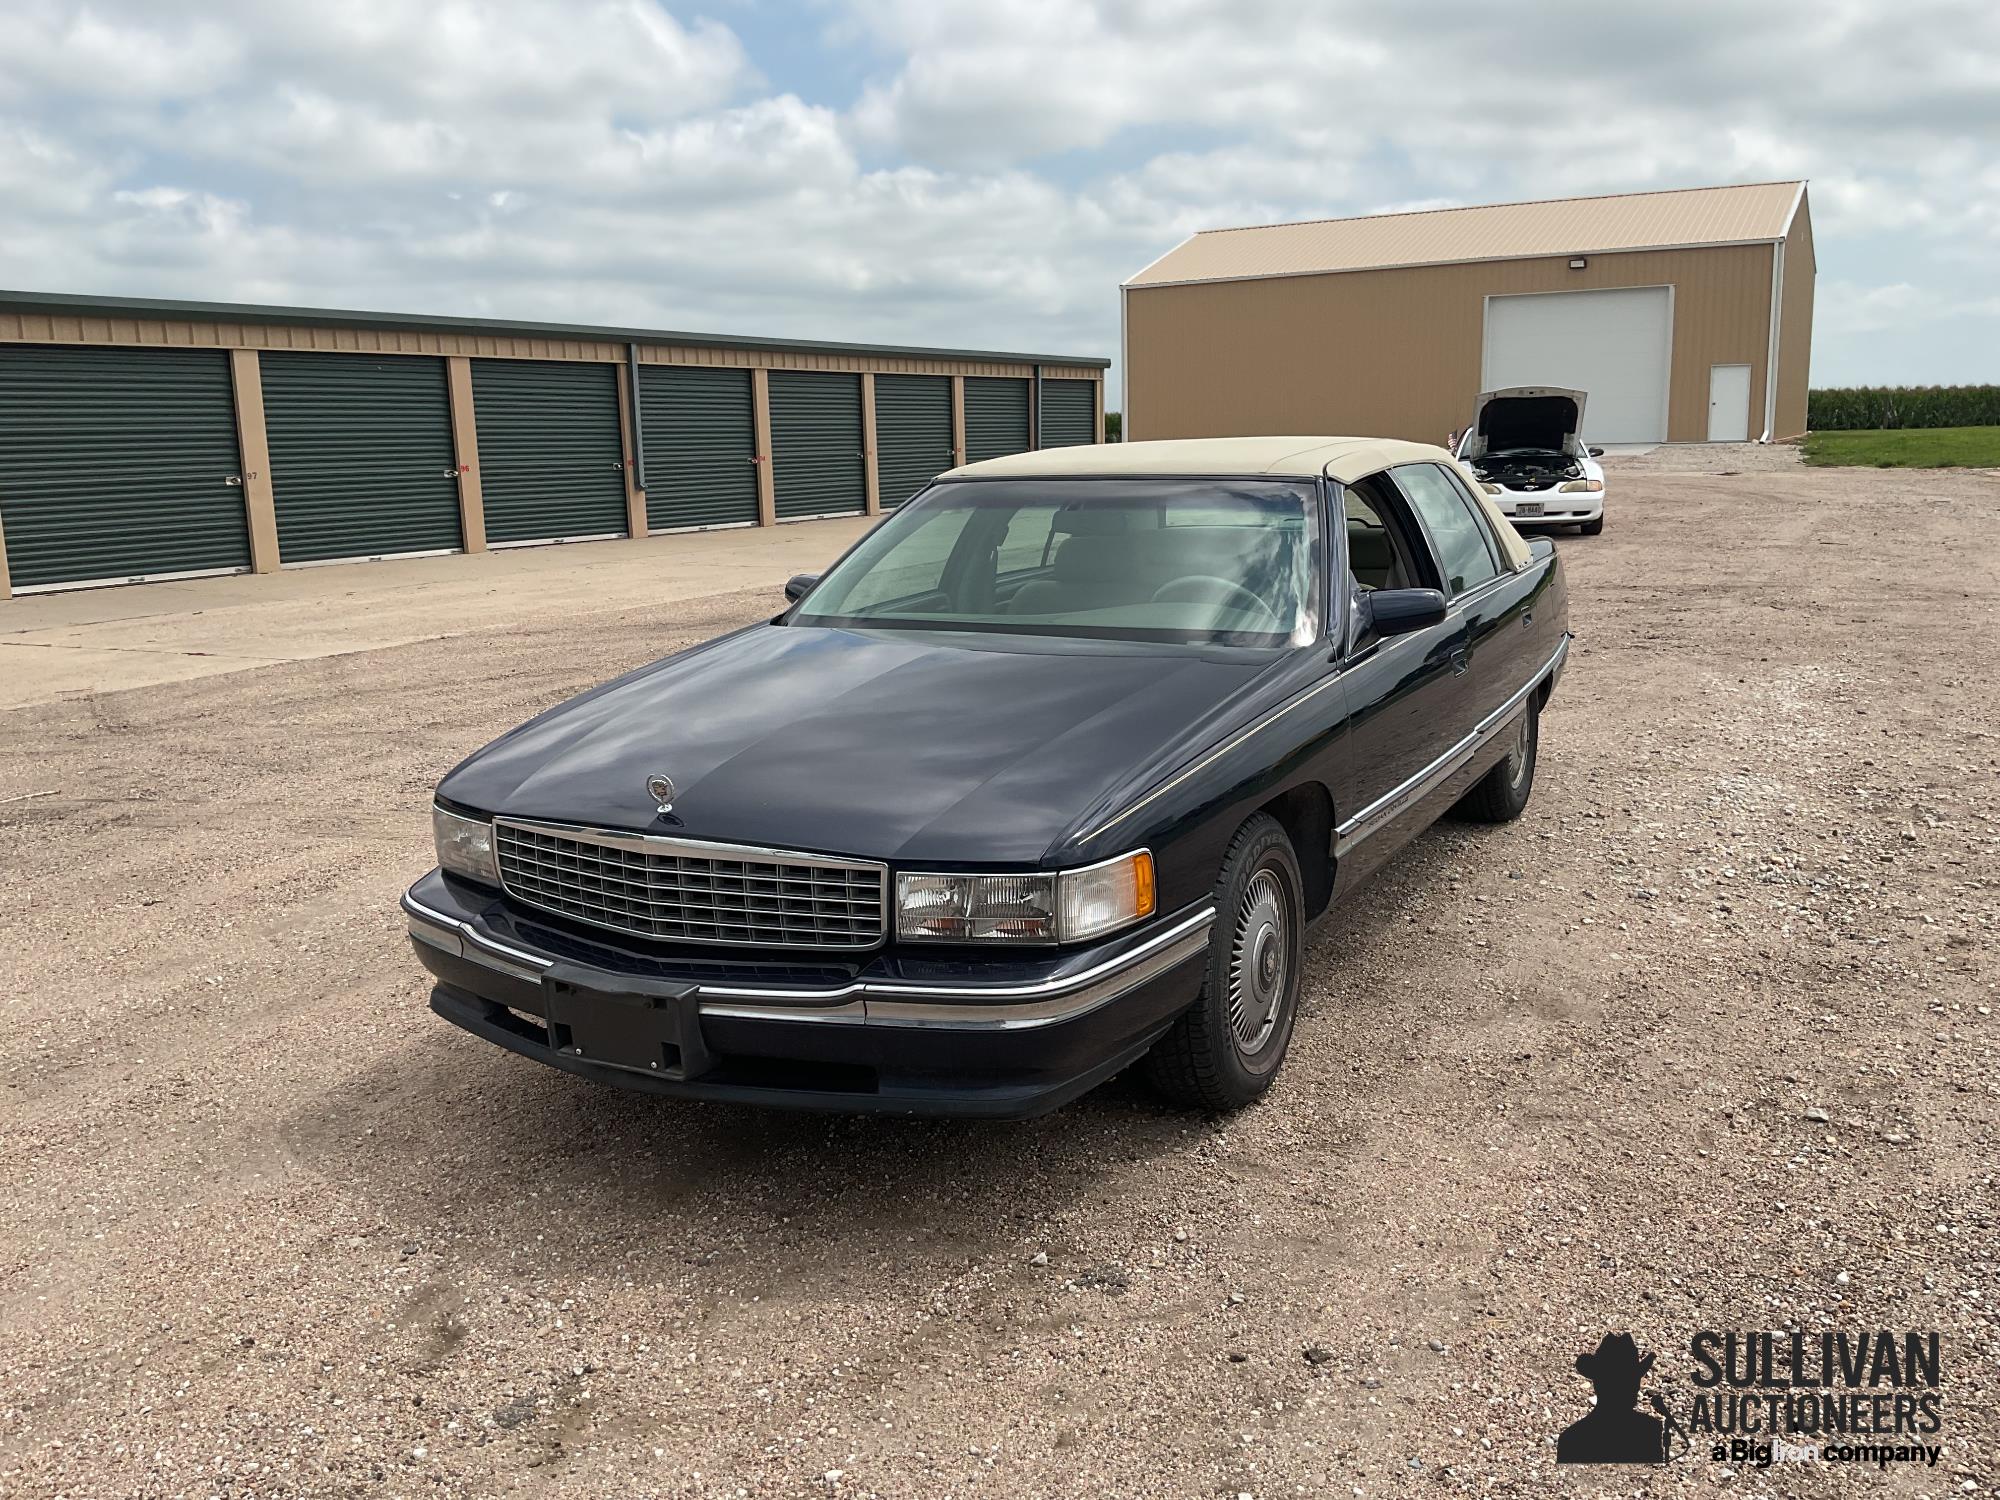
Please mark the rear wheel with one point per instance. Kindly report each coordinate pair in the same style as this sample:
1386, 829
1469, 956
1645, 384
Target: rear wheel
1501, 795
1224, 1051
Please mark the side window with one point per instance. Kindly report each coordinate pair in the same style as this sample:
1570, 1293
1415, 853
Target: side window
919, 572
1463, 549
1378, 555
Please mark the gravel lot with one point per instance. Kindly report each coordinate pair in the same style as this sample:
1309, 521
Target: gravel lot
1705, 1041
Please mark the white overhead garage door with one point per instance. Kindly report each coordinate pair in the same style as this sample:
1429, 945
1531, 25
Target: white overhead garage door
1615, 345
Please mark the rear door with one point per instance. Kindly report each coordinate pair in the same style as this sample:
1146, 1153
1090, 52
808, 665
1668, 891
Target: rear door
551, 454
1489, 611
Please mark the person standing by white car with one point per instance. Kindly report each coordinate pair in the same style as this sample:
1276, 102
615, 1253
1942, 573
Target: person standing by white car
1525, 448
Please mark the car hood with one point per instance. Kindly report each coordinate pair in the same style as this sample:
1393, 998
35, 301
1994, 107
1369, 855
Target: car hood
917, 746
1548, 417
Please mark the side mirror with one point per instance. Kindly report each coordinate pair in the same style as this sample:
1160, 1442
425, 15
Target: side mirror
1595, 452
1399, 611
799, 585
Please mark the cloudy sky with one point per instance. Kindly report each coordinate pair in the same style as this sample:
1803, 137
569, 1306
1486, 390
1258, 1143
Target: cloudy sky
985, 174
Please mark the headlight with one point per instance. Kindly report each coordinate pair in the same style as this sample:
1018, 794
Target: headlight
1585, 486
464, 846
1029, 908
1489, 486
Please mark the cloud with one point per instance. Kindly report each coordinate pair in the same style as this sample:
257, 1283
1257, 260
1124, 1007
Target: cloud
991, 177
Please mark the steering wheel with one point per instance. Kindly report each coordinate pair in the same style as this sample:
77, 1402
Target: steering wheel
1197, 588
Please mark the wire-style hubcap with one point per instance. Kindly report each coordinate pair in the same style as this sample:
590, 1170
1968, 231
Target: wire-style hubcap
1259, 964
1517, 758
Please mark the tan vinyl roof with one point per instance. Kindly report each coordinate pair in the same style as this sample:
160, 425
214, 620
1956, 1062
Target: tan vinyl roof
1343, 458
1502, 231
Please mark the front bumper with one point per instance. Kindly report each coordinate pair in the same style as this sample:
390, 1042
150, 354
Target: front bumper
1006, 1038
1557, 508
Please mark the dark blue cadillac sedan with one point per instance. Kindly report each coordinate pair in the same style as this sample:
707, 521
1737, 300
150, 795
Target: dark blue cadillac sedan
1046, 776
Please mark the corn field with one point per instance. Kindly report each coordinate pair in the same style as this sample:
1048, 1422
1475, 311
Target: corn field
1851, 408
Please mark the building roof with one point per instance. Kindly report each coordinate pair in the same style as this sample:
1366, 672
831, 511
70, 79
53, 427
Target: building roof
1343, 458
1752, 213
71, 305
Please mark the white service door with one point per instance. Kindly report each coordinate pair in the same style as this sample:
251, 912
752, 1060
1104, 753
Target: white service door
1729, 403
1614, 345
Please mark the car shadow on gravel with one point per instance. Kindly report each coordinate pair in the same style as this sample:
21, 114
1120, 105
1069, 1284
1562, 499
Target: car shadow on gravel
450, 1137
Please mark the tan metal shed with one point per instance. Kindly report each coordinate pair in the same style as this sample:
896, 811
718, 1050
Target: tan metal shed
1690, 311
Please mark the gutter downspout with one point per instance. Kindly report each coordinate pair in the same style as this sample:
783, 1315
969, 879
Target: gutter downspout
638, 425
1035, 416
1771, 353
1124, 369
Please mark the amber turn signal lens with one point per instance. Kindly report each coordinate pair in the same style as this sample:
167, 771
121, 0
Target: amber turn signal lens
1145, 893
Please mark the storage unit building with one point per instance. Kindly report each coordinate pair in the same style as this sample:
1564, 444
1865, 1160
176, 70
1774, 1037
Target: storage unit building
1686, 316
143, 439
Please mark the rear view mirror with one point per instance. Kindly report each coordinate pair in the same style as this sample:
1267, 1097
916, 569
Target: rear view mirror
799, 585
1595, 452
1400, 611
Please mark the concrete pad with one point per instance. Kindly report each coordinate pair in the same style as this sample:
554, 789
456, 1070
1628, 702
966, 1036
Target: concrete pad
100, 640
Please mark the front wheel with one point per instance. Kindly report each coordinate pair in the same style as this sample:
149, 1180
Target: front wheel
1593, 527
1224, 1051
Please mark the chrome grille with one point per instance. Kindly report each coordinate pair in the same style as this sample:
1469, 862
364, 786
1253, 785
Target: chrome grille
681, 891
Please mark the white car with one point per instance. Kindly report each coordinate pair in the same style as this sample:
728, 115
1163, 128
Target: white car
1524, 446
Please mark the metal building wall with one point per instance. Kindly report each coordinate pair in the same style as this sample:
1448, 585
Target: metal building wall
1795, 316
1396, 353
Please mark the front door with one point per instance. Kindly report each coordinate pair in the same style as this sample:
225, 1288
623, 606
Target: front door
1409, 697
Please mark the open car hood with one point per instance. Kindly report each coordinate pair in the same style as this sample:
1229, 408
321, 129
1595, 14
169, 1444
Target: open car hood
1548, 417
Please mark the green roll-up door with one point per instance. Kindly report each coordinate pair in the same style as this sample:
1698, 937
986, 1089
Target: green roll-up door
816, 444
118, 464
912, 434
362, 463
996, 417
699, 427
550, 453
1069, 413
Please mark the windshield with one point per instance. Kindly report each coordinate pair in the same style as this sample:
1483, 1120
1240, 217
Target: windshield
1200, 561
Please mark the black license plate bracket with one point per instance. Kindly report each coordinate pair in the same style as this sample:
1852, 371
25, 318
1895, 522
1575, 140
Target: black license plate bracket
646, 1027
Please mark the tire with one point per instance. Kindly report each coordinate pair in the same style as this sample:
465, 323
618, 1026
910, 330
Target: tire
1593, 527
1501, 795
1216, 1059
